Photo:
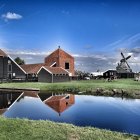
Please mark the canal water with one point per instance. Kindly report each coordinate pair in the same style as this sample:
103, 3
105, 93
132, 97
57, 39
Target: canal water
115, 114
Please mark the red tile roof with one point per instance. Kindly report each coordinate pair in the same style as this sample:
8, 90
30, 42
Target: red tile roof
32, 68
2, 53
55, 70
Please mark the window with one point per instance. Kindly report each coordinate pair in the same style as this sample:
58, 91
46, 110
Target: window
9, 62
14, 74
9, 67
54, 65
66, 65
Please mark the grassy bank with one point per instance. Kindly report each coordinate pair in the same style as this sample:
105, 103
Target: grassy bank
15, 129
120, 87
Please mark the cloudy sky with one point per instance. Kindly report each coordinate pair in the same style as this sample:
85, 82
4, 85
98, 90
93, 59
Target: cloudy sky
93, 31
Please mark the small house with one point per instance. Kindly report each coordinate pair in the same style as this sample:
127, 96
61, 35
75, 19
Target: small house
31, 71
110, 74
52, 74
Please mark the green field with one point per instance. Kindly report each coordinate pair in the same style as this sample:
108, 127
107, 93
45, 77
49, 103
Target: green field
89, 86
16, 129
79, 85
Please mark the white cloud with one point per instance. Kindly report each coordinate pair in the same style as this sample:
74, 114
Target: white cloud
28, 52
11, 16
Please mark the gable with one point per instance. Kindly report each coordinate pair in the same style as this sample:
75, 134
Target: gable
16, 65
2, 53
56, 55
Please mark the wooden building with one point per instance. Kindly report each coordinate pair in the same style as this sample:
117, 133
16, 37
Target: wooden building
9, 69
52, 74
125, 75
110, 74
31, 71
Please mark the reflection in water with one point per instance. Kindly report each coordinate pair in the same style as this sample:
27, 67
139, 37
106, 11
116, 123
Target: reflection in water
60, 102
6, 100
33, 94
102, 112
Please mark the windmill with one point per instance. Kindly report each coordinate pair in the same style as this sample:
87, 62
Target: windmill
123, 66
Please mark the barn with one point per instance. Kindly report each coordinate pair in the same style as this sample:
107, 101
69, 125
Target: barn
9, 69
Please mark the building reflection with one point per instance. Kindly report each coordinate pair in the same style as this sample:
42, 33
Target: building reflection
33, 94
60, 103
6, 100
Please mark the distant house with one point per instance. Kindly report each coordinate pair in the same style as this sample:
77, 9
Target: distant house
9, 69
96, 74
110, 73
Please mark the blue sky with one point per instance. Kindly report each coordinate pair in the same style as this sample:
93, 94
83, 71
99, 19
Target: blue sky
94, 31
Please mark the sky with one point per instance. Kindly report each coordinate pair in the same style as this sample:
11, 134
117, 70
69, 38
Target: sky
93, 31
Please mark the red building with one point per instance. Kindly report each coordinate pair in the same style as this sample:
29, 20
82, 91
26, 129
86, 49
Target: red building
60, 58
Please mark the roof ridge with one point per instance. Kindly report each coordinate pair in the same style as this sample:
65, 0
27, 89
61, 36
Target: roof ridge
32, 64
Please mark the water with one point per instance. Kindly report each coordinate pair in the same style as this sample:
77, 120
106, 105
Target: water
103, 112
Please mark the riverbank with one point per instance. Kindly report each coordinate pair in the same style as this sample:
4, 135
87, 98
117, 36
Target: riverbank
119, 88
15, 129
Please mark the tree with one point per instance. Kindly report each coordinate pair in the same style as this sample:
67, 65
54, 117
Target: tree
19, 61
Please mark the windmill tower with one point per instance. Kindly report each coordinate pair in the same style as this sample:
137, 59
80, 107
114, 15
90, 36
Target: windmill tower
123, 68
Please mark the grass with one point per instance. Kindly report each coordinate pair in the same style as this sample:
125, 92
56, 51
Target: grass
128, 85
17, 129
